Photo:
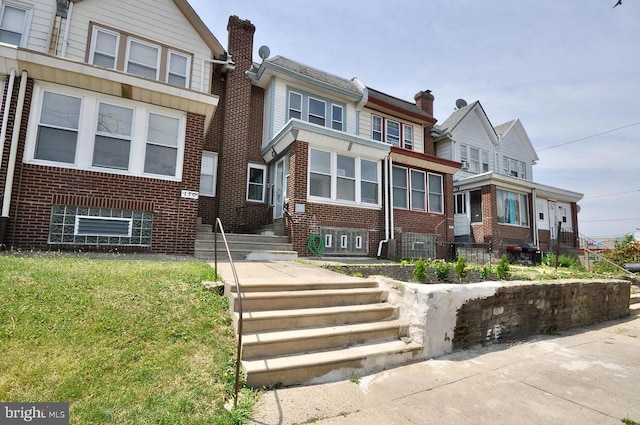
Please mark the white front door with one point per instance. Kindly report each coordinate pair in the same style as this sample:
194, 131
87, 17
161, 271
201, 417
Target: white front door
279, 189
461, 220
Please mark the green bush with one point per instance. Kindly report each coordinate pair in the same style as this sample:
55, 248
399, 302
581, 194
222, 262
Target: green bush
502, 271
442, 269
549, 259
420, 271
486, 271
461, 268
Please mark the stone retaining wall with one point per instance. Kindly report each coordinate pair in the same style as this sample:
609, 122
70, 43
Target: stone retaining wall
450, 316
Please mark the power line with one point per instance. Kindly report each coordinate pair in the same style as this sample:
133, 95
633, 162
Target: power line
611, 194
588, 137
610, 220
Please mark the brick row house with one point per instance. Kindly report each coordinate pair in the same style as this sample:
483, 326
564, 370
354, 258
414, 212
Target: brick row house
104, 111
125, 124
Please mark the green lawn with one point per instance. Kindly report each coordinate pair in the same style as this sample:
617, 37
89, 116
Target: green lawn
126, 342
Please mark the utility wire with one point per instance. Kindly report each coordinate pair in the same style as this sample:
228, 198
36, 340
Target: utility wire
588, 137
611, 194
609, 220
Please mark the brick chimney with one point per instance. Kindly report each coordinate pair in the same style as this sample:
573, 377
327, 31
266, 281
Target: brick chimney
237, 111
424, 101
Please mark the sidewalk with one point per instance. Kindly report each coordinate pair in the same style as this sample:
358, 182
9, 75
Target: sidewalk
588, 375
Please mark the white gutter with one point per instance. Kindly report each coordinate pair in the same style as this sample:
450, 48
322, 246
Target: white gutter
13, 153
67, 24
391, 218
535, 216
7, 105
228, 65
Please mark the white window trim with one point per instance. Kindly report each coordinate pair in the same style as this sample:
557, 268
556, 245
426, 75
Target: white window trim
187, 70
344, 241
87, 129
97, 132
521, 196
127, 59
264, 184
407, 188
309, 114
333, 117
425, 192
290, 108
27, 19
406, 139
94, 37
214, 156
441, 194
375, 117
334, 181
386, 132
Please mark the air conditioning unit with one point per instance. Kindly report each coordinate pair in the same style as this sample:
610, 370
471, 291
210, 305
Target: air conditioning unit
465, 164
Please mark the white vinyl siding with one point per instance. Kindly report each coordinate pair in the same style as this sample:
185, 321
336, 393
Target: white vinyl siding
159, 22
112, 135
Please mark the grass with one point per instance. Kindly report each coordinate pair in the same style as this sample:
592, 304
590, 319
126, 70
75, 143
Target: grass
124, 342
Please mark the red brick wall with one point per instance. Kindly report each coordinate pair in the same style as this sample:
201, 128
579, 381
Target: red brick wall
302, 225
37, 188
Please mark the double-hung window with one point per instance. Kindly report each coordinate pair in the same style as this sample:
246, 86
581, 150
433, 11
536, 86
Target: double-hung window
400, 187
178, 69
346, 178
368, 181
320, 173
112, 145
256, 182
295, 105
436, 198
208, 169
464, 158
393, 133
163, 136
317, 111
485, 161
143, 59
407, 136
336, 117
104, 51
376, 128
418, 190
58, 128
474, 163
13, 23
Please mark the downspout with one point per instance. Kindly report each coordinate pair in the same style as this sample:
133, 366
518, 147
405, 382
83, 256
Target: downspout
386, 206
7, 106
534, 219
67, 24
13, 153
391, 217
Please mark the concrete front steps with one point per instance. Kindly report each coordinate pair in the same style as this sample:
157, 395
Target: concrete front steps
243, 247
317, 332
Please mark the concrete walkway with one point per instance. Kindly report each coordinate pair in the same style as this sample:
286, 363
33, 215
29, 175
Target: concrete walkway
588, 375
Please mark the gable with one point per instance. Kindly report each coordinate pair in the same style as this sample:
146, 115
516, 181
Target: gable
515, 143
474, 129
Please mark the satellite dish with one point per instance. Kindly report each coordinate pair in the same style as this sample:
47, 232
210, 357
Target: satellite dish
264, 52
461, 103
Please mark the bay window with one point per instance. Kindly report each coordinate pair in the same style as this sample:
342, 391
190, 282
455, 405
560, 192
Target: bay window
417, 190
341, 178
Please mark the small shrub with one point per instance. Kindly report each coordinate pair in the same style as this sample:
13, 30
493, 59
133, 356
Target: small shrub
420, 271
502, 271
357, 274
563, 261
486, 271
442, 269
461, 268
549, 259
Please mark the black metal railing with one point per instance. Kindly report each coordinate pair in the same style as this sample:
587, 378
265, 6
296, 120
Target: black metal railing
219, 226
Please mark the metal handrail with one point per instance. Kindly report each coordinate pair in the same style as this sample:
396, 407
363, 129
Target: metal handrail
583, 243
218, 225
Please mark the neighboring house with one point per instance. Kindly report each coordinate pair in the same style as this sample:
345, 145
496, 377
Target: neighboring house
318, 154
495, 197
104, 111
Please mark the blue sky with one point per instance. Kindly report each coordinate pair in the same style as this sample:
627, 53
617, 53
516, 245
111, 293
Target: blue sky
568, 69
